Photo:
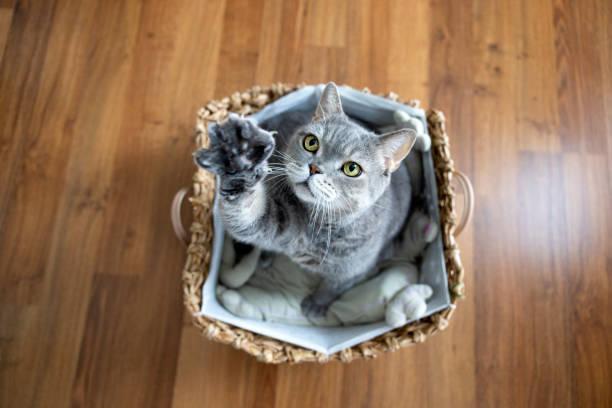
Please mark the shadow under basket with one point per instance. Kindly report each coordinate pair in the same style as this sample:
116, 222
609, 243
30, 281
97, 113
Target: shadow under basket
199, 249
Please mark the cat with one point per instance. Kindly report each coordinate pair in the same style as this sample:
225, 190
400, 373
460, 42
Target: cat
327, 192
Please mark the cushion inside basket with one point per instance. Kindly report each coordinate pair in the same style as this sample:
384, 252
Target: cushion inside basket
377, 111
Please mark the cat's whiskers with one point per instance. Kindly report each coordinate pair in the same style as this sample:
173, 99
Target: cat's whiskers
319, 212
314, 215
380, 206
273, 176
330, 212
344, 213
276, 181
324, 216
287, 160
284, 155
348, 204
276, 168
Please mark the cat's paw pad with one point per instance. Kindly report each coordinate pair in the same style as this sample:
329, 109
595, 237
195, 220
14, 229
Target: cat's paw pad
407, 305
237, 145
246, 146
313, 307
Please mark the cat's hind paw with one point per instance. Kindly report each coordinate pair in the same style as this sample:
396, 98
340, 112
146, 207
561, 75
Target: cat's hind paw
407, 305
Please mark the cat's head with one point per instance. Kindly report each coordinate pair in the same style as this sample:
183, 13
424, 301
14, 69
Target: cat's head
337, 164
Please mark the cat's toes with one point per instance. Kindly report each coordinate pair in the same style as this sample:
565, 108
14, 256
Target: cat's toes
245, 144
407, 305
412, 308
311, 308
210, 159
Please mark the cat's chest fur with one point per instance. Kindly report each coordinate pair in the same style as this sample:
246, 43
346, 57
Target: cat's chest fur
320, 243
312, 243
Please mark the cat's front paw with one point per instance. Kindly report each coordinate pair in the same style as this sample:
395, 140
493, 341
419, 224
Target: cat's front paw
237, 146
314, 307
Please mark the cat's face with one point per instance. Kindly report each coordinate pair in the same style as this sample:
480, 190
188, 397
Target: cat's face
336, 164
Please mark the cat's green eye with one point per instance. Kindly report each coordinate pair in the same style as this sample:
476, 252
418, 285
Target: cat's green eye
311, 143
351, 169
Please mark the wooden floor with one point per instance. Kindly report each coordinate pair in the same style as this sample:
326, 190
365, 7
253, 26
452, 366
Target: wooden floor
97, 108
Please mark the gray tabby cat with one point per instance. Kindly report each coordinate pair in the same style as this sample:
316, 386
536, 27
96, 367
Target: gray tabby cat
331, 196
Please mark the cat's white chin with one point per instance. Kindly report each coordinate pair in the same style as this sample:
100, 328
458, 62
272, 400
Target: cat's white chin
302, 191
314, 190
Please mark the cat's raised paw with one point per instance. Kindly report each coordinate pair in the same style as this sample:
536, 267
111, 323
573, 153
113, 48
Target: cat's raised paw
237, 146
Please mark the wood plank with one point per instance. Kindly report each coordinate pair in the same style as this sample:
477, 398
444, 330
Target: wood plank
367, 53
6, 17
538, 116
494, 169
285, 64
542, 277
170, 78
580, 85
451, 86
213, 374
239, 46
272, 23
158, 129
588, 261
450, 89
7, 4
28, 207
408, 61
605, 46
326, 23
330, 65
67, 195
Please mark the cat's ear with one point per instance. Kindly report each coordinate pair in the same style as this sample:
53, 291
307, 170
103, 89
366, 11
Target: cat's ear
395, 147
330, 103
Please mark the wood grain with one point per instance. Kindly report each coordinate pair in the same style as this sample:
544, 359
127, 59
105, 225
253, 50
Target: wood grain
6, 16
97, 108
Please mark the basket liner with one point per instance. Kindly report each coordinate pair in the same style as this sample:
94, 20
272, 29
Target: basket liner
377, 111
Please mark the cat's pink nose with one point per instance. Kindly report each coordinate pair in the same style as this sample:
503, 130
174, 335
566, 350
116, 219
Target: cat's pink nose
314, 169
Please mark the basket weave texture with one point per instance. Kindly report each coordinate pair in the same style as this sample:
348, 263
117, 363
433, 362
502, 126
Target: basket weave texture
199, 250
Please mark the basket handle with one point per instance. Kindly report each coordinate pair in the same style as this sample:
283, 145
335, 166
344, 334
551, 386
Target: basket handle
468, 200
175, 215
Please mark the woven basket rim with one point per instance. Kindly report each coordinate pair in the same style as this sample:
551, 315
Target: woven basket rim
199, 250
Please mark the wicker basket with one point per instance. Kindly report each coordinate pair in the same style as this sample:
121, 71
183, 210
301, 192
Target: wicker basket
199, 246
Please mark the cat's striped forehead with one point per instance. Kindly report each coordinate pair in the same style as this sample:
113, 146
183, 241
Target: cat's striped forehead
341, 137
